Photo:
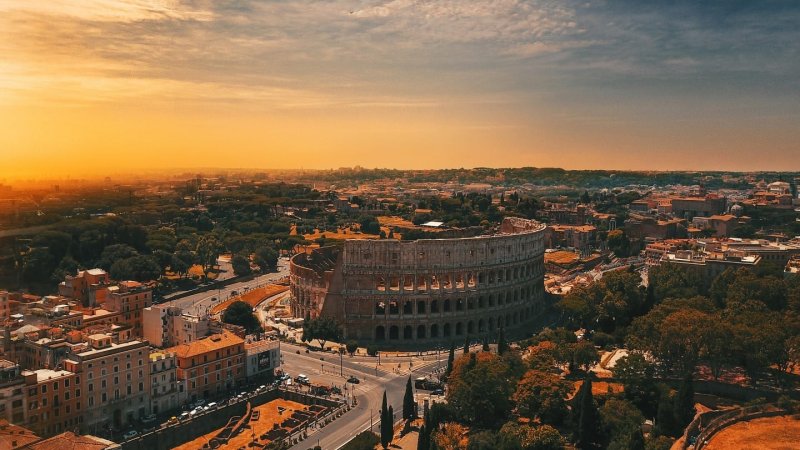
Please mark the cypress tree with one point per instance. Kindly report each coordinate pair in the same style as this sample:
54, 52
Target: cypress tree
385, 424
683, 407
409, 412
501, 342
422, 439
390, 423
636, 440
466, 344
588, 419
664, 425
450, 359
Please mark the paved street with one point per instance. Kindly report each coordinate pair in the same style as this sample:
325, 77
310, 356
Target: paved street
202, 302
329, 369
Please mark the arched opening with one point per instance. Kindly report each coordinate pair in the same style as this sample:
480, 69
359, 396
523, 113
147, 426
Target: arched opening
447, 305
380, 333
434, 331
394, 332
420, 306
380, 308
421, 332
434, 306
446, 330
481, 326
470, 327
459, 329
408, 306
408, 332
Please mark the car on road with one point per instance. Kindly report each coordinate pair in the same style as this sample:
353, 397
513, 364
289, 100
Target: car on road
353, 380
336, 390
130, 435
184, 416
302, 379
438, 391
211, 405
150, 418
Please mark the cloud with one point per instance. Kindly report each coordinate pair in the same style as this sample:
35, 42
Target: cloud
109, 10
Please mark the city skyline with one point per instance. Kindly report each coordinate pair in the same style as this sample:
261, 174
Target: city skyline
118, 86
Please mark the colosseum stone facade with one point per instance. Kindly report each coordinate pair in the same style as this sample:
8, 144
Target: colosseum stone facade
424, 293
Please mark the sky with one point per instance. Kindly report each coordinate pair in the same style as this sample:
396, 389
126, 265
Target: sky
97, 87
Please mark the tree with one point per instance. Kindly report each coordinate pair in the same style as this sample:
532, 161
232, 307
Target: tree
387, 428
479, 389
240, 313
450, 359
588, 429
67, 266
665, 419
207, 250
466, 344
38, 265
351, 346
114, 253
619, 243
409, 405
672, 281
241, 265
526, 437
485, 346
423, 438
502, 346
637, 376
482, 440
584, 355
452, 436
323, 329
542, 395
621, 419
683, 405
266, 258
139, 268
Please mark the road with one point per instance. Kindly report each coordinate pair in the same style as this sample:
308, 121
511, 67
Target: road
202, 302
329, 369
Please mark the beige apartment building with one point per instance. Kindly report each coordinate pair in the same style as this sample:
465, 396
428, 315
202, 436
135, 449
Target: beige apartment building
167, 326
116, 381
166, 391
53, 400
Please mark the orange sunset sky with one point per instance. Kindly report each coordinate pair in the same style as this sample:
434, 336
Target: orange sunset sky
98, 87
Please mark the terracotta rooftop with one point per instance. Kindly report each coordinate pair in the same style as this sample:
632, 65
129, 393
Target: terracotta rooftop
72, 441
14, 436
205, 345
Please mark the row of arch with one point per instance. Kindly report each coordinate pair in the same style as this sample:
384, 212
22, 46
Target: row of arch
453, 281
447, 329
446, 305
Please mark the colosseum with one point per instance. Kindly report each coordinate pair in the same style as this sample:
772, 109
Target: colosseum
428, 292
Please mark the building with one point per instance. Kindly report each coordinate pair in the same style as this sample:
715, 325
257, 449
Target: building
12, 396
262, 358
580, 237
72, 441
90, 287
689, 207
212, 365
167, 326
116, 380
14, 436
426, 292
708, 265
54, 401
130, 299
166, 391
5, 306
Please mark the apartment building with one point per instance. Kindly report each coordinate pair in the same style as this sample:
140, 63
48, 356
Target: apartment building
211, 365
130, 298
90, 287
167, 326
12, 396
54, 402
116, 380
166, 390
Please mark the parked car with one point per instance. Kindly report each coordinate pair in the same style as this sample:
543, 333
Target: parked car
211, 405
184, 416
130, 435
302, 379
438, 391
353, 380
150, 418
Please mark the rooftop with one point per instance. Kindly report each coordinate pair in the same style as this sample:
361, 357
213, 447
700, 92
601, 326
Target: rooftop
10, 433
72, 441
48, 374
205, 345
